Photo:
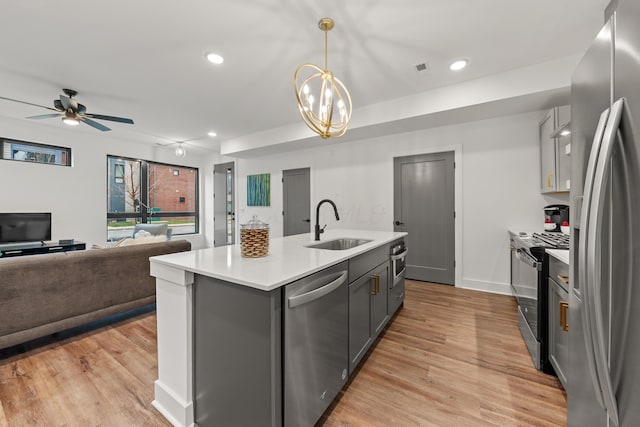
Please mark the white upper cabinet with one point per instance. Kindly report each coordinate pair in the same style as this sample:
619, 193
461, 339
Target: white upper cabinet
555, 151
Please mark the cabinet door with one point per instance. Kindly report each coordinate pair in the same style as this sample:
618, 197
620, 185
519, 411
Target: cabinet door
360, 337
379, 299
564, 150
548, 154
558, 336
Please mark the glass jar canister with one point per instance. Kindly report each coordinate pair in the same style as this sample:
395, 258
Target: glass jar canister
254, 238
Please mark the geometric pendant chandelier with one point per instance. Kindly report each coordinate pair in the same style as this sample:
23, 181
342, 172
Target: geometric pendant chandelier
323, 100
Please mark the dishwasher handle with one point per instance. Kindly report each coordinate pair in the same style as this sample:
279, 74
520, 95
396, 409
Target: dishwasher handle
317, 293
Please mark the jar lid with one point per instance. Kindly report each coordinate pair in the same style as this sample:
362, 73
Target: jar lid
255, 223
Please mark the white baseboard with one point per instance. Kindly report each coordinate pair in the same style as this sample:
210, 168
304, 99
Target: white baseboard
480, 285
178, 413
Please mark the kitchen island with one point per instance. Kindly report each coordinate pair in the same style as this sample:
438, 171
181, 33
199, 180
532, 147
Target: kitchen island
222, 335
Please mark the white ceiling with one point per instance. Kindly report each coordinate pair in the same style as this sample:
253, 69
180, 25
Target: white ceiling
144, 59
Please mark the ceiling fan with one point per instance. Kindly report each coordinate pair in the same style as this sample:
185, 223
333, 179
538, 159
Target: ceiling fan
72, 112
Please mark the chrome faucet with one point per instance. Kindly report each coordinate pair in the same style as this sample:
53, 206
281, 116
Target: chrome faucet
318, 229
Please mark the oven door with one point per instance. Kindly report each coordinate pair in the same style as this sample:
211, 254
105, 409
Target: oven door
398, 267
526, 287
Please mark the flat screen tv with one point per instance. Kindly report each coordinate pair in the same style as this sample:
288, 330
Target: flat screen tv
25, 227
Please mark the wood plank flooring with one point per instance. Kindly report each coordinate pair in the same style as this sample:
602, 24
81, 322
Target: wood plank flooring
451, 357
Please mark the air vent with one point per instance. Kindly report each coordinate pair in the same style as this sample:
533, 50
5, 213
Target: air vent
421, 67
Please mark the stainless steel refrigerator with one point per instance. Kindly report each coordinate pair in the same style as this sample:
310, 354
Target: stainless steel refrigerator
603, 381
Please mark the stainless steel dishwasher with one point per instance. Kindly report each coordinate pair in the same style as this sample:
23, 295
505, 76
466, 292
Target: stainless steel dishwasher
316, 343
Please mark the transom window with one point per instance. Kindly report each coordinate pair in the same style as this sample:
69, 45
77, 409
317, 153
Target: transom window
141, 191
24, 151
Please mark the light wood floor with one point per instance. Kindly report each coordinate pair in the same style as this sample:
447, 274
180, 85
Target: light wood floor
451, 357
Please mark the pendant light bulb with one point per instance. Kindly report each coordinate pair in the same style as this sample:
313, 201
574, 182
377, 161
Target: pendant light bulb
180, 151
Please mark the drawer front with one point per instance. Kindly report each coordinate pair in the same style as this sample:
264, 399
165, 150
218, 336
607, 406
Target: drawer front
559, 272
366, 262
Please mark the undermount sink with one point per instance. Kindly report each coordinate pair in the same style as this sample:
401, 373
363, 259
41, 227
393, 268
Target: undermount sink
339, 244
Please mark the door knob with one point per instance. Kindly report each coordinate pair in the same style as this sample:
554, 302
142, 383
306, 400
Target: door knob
399, 223
306, 220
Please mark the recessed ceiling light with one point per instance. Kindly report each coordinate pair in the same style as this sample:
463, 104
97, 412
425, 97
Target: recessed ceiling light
458, 65
212, 134
215, 58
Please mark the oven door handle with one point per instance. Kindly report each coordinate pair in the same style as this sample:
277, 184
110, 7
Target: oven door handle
528, 260
400, 255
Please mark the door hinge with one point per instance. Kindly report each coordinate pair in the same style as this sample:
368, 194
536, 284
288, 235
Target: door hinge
282, 213
454, 214
454, 263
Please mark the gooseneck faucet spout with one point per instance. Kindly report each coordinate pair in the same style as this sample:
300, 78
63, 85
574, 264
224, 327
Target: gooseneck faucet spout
319, 230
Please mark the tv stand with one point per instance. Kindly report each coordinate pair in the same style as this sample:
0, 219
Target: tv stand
38, 248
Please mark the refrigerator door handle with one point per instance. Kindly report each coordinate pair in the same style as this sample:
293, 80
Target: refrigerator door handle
583, 249
594, 258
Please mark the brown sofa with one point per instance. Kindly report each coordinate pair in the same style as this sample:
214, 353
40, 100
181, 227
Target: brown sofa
44, 294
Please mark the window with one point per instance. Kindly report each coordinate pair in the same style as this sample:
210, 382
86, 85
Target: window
118, 173
140, 191
33, 152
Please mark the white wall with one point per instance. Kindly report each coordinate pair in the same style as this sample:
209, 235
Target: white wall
76, 196
499, 172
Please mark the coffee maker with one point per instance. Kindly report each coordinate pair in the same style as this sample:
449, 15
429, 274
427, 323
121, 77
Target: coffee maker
555, 216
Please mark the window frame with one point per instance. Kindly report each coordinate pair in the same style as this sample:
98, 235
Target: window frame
142, 215
64, 150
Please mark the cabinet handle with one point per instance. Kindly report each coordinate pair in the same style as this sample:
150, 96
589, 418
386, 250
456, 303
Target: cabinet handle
549, 179
376, 284
564, 279
564, 306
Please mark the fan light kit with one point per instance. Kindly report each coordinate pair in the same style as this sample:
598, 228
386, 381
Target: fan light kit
330, 115
72, 112
70, 119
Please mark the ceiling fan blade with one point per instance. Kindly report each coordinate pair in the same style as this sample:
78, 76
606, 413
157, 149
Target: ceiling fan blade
69, 103
44, 116
28, 103
58, 105
94, 124
111, 118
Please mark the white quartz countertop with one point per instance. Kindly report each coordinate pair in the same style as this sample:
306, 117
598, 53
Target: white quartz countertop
288, 258
561, 254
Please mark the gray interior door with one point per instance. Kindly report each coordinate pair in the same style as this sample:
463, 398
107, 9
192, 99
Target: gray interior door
424, 203
224, 216
297, 199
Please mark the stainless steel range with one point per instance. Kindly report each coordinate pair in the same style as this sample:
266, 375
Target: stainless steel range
529, 270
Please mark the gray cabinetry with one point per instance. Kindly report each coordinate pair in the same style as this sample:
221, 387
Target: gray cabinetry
558, 283
555, 149
368, 301
368, 313
237, 366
